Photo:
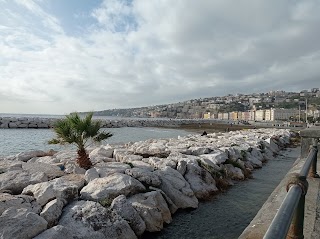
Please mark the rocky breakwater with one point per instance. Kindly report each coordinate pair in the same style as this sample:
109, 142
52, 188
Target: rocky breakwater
11, 122
131, 188
33, 123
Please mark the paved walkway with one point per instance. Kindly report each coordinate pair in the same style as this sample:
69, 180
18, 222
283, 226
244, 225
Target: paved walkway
312, 208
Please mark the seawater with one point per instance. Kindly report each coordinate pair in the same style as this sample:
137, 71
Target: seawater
229, 213
13, 141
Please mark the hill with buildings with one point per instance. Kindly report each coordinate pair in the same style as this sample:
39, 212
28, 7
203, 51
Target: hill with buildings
273, 105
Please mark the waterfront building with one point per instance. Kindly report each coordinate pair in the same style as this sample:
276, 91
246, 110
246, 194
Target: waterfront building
260, 115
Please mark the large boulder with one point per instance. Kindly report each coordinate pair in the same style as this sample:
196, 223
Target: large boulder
217, 157
20, 224
201, 182
108, 188
153, 209
144, 176
52, 211
25, 156
18, 201
51, 171
15, 181
176, 188
65, 188
87, 219
124, 208
56, 232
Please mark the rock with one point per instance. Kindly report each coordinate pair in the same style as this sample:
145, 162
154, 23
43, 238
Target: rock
153, 209
217, 157
20, 224
56, 232
201, 182
15, 181
142, 165
101, 152
51, 171
172, 207
88, 219
199, 150
65, 188
73, 168
110, 187
128, 213
159, 163
144, 176
176, 188
182, 167
52, 211
109, 168
233, 172
45, 159
9, 165
18, 201
91, 174
25, 156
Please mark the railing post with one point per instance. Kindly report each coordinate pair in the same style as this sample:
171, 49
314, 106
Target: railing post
313, 169
296, 227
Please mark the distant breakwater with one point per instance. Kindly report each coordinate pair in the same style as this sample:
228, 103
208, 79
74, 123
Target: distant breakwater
43, 123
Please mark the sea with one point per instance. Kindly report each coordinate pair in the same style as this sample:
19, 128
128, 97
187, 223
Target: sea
13, 141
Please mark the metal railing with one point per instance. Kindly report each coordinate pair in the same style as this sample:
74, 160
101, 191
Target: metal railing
289, 220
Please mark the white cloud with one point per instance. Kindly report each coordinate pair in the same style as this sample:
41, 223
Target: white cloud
152, 52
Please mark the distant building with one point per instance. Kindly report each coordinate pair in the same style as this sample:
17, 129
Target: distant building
260, 115
233, 116
207, 115
280, 114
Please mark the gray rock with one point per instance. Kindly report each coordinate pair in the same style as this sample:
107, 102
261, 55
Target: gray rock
51, 171
201, 182
52, 211
88, 219
56, 232
177, 188
122, 206
15, 181
153, 209
144, 176
20, 224
18, 201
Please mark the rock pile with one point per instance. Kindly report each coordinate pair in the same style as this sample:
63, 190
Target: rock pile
10, 122
131, 189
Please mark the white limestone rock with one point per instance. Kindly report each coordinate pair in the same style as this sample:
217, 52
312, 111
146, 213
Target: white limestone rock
122, 206
142, 165
153, 209
144, 176
104, 152
65, 187
182, 167
73, 168
217, 157
20, 224
91, 174
15, 181
111, 187
159, 163
25, 156
87, 219
18, 201
52, 211
201, 182
108, 168
176, 188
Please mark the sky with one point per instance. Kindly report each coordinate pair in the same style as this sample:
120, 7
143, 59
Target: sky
61, 56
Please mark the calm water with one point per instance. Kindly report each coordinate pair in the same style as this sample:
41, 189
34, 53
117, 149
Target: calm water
13, 141
226, 216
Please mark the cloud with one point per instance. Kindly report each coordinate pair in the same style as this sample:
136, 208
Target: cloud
140, 53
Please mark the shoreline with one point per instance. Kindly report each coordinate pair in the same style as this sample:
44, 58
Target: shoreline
152, 179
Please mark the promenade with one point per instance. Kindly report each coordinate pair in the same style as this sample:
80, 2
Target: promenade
311, 229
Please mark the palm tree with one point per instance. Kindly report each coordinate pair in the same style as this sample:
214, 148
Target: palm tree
79, 131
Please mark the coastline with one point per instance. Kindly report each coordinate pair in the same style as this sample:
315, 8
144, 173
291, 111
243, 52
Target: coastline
142, 177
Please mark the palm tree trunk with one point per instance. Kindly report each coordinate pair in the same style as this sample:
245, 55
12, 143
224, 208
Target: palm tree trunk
83, 159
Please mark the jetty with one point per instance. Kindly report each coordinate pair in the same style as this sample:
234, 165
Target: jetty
131, 189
